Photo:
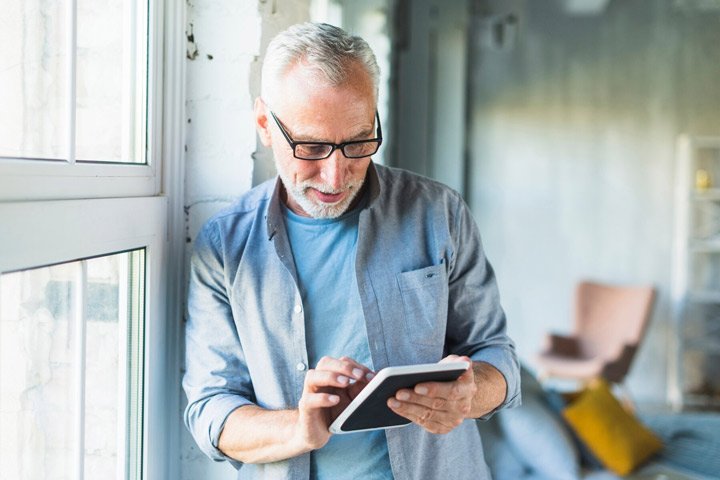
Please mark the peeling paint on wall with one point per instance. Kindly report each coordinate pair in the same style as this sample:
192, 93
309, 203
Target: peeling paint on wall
192, 50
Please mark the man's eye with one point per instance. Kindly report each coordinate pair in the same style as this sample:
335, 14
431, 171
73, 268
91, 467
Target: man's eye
361, 149
312, 150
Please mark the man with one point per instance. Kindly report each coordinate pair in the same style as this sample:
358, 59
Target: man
313, 281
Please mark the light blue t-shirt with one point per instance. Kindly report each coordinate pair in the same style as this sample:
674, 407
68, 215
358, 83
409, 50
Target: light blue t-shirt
324, 252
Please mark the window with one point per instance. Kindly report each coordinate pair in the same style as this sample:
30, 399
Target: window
75, 90
71, 368
90, 211
98, 117
83, 333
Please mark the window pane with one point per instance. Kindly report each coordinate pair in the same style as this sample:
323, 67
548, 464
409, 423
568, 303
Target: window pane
45, 314
36, 373
111, 80
33, 86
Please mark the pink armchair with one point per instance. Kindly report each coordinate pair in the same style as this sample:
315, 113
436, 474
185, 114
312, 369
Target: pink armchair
610, 322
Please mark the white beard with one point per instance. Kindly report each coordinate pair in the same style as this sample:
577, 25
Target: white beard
316, 208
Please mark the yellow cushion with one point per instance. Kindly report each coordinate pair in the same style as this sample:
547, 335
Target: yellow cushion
616, 438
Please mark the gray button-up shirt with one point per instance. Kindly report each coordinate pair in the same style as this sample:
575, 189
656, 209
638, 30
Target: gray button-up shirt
426, 288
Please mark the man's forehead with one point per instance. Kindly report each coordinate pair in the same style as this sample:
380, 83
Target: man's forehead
311, 107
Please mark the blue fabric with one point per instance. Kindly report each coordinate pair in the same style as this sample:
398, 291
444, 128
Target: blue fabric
537, 435
426, 288
557, 403
690, 440
504, 463
530, 442
324, 252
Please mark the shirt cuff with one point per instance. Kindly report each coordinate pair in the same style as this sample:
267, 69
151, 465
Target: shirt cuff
505, 361
207, 421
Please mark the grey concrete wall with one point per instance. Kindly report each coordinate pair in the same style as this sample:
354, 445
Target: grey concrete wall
573, 132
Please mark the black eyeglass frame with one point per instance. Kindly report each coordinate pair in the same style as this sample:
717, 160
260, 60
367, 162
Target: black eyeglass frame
335, 146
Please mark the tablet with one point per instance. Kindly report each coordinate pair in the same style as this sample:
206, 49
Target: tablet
369, 410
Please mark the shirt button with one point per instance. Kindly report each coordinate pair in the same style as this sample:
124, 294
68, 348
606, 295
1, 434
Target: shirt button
298, 308
300, 367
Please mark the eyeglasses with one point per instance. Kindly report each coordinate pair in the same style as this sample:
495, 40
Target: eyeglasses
322, 150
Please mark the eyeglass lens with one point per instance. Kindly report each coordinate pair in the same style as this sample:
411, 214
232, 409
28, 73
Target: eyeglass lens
319, 151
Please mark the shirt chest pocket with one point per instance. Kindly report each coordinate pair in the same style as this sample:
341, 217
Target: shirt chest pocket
424, 295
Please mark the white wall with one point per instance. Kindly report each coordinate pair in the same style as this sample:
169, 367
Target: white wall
225, 42
573, 150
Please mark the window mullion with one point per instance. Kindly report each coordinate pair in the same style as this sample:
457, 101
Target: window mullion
80, 304
124, 292
129, 99
71, 71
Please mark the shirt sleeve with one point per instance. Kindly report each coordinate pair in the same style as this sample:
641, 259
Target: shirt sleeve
476, 320
216, 379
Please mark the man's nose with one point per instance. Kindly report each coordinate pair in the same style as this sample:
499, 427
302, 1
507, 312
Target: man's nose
334, 170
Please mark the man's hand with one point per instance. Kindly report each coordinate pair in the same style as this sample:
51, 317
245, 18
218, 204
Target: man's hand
282, 434
328, 389
440, 407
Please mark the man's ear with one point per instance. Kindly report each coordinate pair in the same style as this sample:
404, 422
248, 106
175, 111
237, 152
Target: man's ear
261, 122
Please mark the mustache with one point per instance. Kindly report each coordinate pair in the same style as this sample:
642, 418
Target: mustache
326, 189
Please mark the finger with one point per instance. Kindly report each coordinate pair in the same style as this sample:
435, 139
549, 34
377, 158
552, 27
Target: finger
318, 400
354, 363
432, 420
360, 371
355, 388
452, 407
458, 358
453, 391
345, 366
434, 403
469, 375
452, 358
449, 390
316, 380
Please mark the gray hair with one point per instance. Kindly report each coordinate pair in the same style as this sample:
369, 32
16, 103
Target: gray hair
327, 49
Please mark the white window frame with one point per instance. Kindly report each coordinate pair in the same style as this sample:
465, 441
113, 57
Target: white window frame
55, 212
55, 240
28, 178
